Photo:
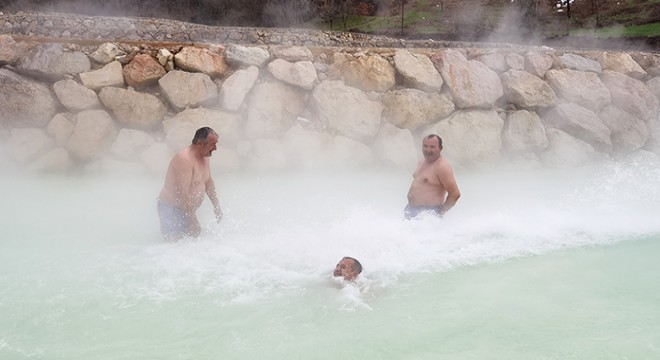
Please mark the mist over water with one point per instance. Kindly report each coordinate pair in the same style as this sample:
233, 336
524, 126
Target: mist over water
529, 264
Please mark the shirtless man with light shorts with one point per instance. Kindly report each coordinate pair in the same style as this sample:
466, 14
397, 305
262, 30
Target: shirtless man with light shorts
434, 188
188, 178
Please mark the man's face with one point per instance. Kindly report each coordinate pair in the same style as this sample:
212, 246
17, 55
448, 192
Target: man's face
345, 269
431, 149
209, 146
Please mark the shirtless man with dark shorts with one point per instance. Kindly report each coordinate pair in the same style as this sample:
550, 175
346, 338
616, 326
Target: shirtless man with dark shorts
188, 178
434, 188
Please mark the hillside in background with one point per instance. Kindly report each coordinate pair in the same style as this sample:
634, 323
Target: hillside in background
517, 21
592, 23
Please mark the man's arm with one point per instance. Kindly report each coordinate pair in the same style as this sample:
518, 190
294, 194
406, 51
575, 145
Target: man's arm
449, 182
210, 191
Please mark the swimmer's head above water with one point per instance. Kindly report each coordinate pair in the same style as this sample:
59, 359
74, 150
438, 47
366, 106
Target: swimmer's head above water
348, 268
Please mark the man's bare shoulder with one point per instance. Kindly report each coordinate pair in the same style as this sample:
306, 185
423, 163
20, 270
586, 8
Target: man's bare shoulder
441, 164
181, 158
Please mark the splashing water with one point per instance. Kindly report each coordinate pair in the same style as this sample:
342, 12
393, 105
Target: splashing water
529, 264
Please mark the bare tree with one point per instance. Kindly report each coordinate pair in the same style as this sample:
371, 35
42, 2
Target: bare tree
326, 10
402, 3
595, 12
345, 11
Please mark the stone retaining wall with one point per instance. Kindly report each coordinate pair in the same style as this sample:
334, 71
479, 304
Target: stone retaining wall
70, 27
75, 105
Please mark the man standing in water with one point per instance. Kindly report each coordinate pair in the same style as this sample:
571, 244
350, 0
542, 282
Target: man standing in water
434, 188
188, 178
348, 268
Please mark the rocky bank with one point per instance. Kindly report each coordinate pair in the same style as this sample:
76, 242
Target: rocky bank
85, 98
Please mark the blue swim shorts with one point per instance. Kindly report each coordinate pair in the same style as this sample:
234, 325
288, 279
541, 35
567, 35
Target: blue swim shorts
173, 220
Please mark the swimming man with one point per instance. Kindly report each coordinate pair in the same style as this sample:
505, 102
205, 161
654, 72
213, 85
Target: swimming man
348, 268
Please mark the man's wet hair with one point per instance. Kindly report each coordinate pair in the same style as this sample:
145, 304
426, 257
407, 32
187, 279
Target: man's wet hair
356, 264
431, 136
202, 134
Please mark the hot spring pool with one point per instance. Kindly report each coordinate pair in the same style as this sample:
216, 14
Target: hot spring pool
543, 264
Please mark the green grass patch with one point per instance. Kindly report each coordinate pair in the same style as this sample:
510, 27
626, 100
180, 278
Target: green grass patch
417, 17
643, 30
618, 31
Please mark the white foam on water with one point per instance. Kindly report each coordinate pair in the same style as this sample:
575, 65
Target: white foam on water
283, 233
81, 251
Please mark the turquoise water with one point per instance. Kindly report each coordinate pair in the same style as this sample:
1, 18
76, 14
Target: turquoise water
543, 264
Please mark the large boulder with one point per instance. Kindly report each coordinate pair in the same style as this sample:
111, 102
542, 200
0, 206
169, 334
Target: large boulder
50, 62
301, 73
60, 128
579, 63
272, 109
471, 138
622, 63
130, 143
74, 96
143, 70
345, 109
524, 132
133, 109
582, 123
395, 147
365, 72
156, 158
653, 144
202, 60
109, 75
471, 83
537, 63
412, 108
10, 50
234, 89
649, 61
526, 90
565, 151
24, 102
417, 71
580, 87
243, 56
183, 89
653, 85
629, 133
93, 133
292, 53
105, 53
515, 61
631, 95
495, 61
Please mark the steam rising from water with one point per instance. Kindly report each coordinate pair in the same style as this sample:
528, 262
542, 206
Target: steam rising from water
283, 233
83, 268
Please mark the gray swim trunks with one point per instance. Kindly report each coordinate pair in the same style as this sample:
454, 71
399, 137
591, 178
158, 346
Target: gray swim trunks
173, 220
412, 211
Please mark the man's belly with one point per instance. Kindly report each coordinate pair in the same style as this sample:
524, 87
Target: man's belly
426, 196
195, 201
